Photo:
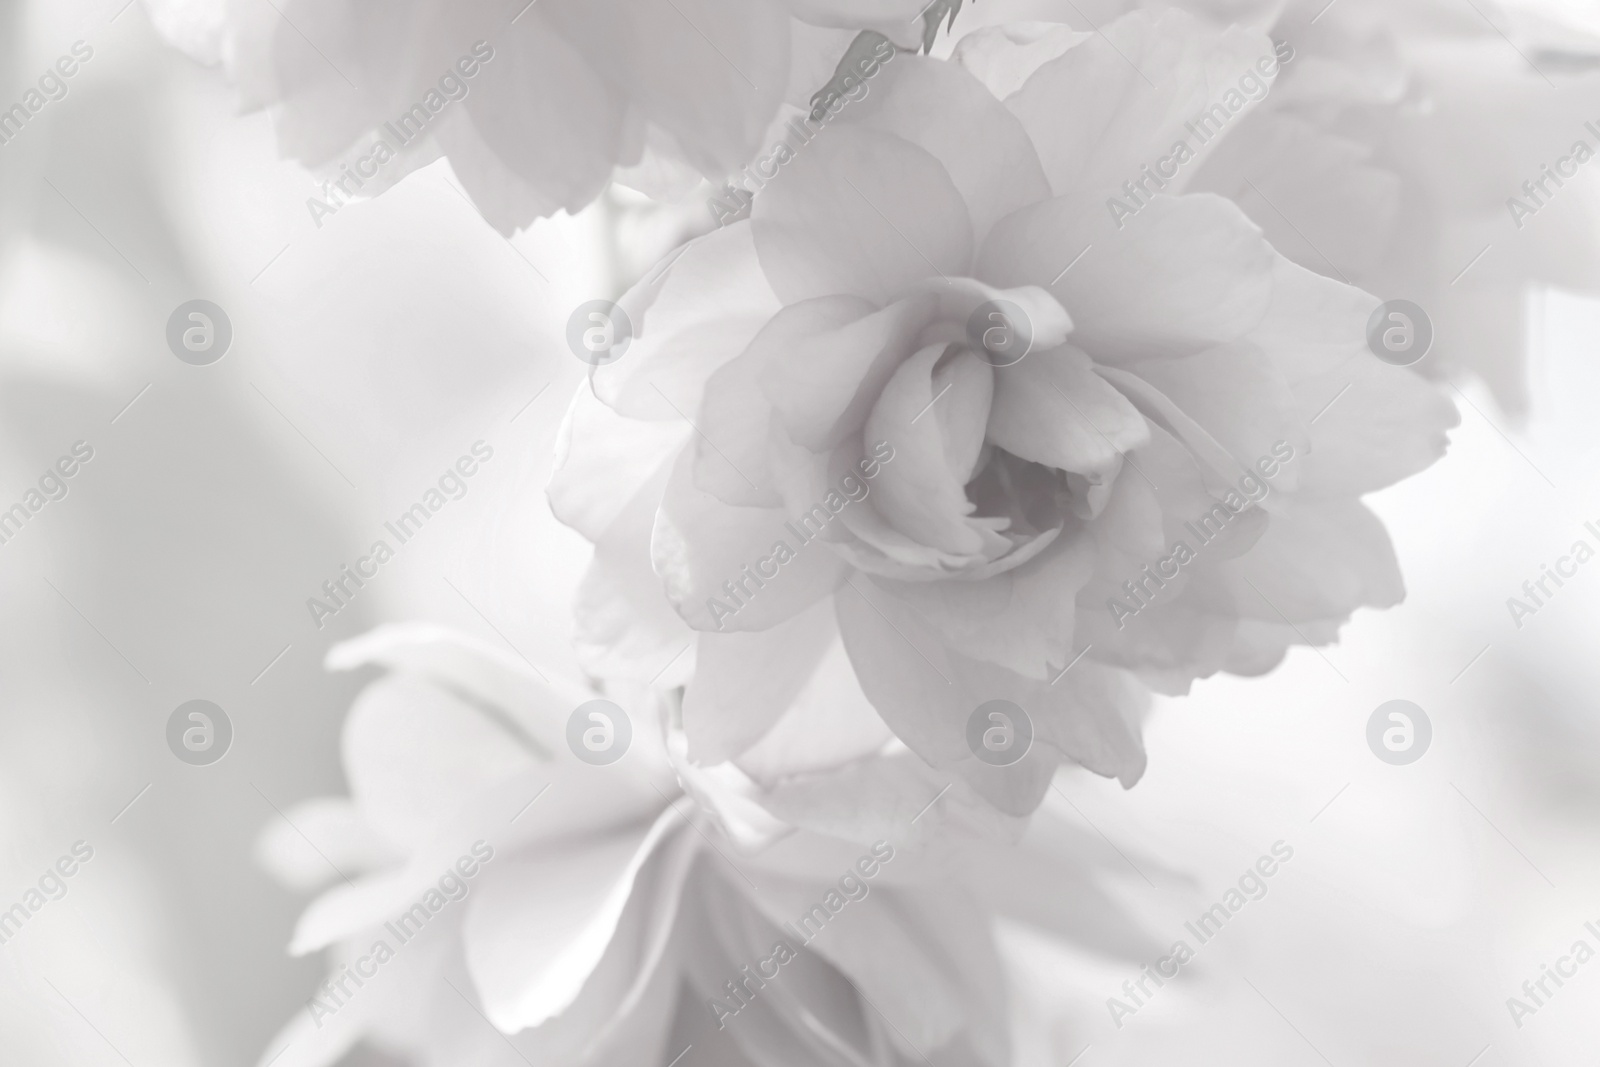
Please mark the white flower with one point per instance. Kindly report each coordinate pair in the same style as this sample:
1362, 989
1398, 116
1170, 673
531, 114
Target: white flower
1392, 153
1398, 147
536, 109
582, 914
1012, 532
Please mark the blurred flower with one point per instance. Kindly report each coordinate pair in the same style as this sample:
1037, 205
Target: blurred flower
1388, 152
1373, 150
538, 108
986, 528
531, 905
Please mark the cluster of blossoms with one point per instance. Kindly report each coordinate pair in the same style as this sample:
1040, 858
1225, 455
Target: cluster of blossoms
1211, 323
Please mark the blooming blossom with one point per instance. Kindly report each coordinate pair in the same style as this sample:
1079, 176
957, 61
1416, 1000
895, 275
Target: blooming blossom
1016, 534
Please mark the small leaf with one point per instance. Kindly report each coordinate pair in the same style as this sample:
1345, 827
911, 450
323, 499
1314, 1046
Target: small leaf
936, 11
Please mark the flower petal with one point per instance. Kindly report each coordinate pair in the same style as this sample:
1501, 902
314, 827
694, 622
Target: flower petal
944, 110
679, 337
603, 460
1052, 408
936, 440
564, 153
703, 548
1322, 561
916, 957
1021, 619
927, 693
829, 359
828, 724
1004, 57
1238, 395
1185, 274
539, 927
863, 213
711, 81
1118, 100
745, 682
